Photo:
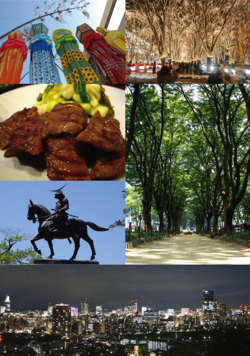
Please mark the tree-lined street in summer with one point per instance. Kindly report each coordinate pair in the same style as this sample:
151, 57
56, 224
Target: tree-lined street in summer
188, 157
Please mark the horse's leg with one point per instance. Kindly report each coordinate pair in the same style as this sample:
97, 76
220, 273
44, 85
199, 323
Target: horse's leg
36, 238
77, 245
86, 238
51, 248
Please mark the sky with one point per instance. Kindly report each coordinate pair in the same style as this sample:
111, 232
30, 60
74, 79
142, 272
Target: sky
99, 202
17, 12
115, 286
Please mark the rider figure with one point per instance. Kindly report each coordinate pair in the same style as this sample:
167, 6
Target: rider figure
61, 206
60, 214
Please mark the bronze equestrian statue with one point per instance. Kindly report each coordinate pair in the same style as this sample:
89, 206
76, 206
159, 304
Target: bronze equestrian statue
58, 226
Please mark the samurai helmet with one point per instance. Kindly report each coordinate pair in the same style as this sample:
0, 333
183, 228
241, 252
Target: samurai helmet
58, 192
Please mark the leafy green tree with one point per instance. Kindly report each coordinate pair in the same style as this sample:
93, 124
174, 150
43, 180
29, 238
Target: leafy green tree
168, 167
11, 256
119, 223
189, 153
146, 141
134, 201
134, 90
221, 112
202, 176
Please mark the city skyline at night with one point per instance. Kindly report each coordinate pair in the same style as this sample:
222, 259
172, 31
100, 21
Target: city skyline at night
172, 286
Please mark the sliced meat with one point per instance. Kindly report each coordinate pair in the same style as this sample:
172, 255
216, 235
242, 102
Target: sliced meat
109, 167
70, 112
26, 137
63, 119
58, 127
7, 127
64, 160
103, 132
68, 118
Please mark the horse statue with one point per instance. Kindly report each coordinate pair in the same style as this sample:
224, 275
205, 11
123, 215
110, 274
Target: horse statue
75, 228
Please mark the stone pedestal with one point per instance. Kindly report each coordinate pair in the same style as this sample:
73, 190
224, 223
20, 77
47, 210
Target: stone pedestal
52, 261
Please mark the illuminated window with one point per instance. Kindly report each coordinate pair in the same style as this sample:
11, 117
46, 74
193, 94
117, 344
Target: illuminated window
136, 350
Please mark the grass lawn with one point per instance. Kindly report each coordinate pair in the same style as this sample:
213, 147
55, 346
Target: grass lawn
135, 234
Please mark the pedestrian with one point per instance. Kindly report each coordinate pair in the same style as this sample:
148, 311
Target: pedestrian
154, 67
164, 75
220, 77
190, 68
196, 68
200, 70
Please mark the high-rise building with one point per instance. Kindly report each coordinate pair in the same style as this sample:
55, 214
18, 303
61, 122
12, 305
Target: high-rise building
184, 311
61, 320
119, 311
170, 312
85, 307
98, 309
74, 312
151, 316
7, 303
135, 307
50, 309
130, 309
209, 302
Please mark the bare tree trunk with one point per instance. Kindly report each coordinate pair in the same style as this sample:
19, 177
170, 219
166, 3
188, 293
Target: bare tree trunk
208, 224
130, 133
209, 62
169, 222
215, 220
161, 227
228, 213
147, 218
163, 61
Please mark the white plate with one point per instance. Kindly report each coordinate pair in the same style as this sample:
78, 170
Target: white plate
18, 99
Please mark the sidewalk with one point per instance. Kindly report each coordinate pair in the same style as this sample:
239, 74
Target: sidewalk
189, 249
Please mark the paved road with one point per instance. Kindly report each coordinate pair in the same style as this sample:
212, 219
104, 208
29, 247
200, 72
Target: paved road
188, 249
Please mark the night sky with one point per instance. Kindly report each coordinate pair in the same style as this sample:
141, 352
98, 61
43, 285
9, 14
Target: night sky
115, 286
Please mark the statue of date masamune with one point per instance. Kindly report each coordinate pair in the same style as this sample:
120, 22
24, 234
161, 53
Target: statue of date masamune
58, 226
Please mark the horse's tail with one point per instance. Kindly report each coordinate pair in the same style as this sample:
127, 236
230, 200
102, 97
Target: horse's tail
95, 227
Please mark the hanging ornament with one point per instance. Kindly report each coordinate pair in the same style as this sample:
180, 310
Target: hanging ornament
108, 60
75, 65
42, 64
13, 53
116, 40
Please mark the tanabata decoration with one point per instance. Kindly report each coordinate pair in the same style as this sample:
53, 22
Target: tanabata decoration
75, 65
13, 53
42, 64
116, 39
108, 60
